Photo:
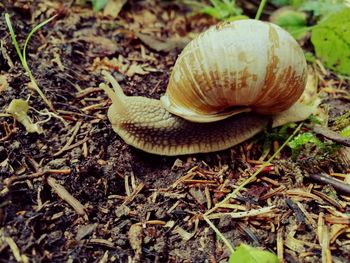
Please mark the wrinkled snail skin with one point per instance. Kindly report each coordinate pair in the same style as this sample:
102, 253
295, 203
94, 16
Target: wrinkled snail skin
225, 87
153, 129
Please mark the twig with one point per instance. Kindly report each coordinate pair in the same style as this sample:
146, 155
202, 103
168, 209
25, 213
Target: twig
15, 250
8, 131
250, 213
326, 179
71, 139
9, 181
334, 136
66, 196
76, 144
86, 92
307, 215
131, 197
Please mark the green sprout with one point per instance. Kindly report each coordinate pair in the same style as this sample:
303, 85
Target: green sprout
98, 4
18, 109
248, 254
22, 55
220, 9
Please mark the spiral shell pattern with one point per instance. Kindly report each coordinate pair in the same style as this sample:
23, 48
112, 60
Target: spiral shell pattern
245, 65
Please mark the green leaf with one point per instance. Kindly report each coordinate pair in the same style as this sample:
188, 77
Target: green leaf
280, 2
323, 7
331, 39
222, 9
310, 57
293, 21
345, 132
98, 4
314, 119
303, 139
248, 254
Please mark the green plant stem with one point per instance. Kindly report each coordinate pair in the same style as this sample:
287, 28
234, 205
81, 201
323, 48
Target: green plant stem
254, 175
217, 231
260, 9
22, 56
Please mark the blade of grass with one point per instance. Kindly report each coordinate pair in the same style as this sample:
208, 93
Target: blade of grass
217, 231
36, 28
260, 9
13, 36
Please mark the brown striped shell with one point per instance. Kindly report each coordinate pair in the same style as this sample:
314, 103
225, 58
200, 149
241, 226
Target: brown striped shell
245, 65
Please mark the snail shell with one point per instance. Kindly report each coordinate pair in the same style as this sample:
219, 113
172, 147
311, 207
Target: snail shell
234, 67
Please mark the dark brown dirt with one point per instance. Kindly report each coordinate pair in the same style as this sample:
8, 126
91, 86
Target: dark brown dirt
121, 187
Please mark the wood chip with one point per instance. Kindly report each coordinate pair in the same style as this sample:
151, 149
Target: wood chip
84, 231
326, 252
135, 240
3, 83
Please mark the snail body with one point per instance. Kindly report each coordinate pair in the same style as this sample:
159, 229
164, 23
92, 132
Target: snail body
250, 69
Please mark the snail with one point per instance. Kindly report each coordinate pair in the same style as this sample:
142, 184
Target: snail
226, 86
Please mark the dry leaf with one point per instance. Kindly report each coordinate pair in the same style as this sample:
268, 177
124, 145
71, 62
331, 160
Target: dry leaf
145, 18
168, 45
113, 7
100, 46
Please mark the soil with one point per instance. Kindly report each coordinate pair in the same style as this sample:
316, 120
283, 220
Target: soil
78, 193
